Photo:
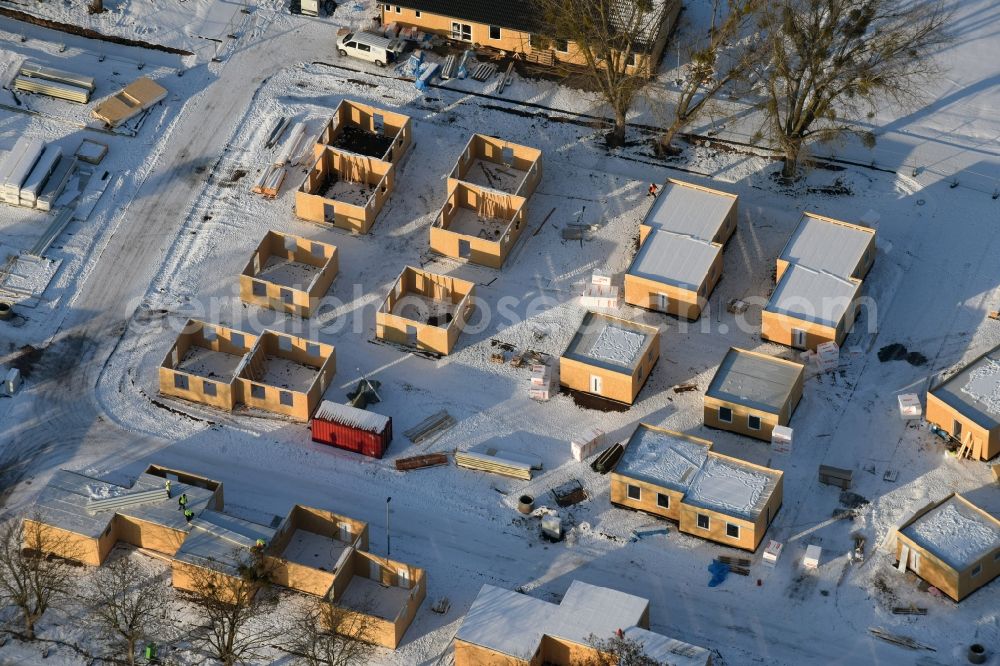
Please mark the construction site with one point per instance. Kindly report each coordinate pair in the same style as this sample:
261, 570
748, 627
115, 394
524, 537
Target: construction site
474, 403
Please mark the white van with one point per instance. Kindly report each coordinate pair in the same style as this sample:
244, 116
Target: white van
371, 47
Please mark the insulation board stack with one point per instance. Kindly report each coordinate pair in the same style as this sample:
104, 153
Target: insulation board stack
909, 406
599, 296
781, 440
56, 183
827, 356
540, 383
811, 559
36, 180
495, 463
586, 444
600, 278
35, 78
291, 147
772, 552
16, 167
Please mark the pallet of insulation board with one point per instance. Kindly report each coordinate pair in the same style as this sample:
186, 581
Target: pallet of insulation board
496, 464
52, 89
36, 71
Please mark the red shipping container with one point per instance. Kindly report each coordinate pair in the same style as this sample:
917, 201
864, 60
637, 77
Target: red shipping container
352, 429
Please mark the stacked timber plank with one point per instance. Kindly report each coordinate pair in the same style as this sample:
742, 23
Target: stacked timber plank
124, 105
430, 428
422, 461
35, 78
494, 464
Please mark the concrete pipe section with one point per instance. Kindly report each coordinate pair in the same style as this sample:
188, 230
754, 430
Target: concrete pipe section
977, 654
526, 504
6, 310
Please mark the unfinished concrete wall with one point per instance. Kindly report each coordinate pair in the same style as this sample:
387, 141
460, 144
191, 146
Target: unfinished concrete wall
299, 299
299, 402
440, 339
481, 247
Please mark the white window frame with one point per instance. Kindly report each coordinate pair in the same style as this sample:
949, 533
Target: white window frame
458, 31
628, 492
708, 521
737, 535
665, 504
416, 13
499, 32
750, 423
728, 409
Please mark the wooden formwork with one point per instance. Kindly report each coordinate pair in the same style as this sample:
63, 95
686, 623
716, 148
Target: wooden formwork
454, 294
502, 219
300, 299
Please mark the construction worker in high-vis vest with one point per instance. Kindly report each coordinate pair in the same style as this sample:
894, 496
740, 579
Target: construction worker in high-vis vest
150, 653
182, 501
167, 486
188, 515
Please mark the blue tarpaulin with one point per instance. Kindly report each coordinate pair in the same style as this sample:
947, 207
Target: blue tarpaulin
719, 572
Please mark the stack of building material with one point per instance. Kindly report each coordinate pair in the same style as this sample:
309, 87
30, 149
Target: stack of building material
290, 149
909, 406
540, 383
422, 461
507, 463
827, 356
430, 428
599, 296
16, 167
91, 152
12, 381
811, 559
772, 552
32, 187
54, 82
124, 105
586, 444
269, 183
781, 440
600, 278
56, 183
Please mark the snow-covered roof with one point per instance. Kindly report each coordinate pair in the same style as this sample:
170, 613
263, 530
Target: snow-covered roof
668, 651
65, 502
811, 295
732, 487
690, 210
351, 417
827, 245
955, 533
975, 390
513, 624
675, 259
611, 343
662, 457
757, 381
216, 538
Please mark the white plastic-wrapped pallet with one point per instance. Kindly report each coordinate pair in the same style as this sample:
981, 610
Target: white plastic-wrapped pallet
585, 444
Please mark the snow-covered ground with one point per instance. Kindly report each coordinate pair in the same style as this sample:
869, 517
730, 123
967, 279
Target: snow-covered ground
170, 241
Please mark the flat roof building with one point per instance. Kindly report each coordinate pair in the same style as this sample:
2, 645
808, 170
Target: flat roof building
610, 357
753, 392
512, 628
680, 258
819, 274
967, 406
952, 544
709, 495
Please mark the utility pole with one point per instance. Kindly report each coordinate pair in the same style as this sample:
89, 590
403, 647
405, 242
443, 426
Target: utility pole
388, 549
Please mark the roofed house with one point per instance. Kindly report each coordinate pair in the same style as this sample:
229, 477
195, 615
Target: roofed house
610, 357
952, 544
517, 26
709, 495
819, 275
753, 392
967, 406
679, 261
310, 550
514, 629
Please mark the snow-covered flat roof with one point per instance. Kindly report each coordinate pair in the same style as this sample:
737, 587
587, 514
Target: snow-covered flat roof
666, 650
215, 538
827, 245
974, 391
611, 343
955, 533
757, 381
732, 487
690, 210
675, 259
662, 457
513, 624
811, 295
65, 502
352, 417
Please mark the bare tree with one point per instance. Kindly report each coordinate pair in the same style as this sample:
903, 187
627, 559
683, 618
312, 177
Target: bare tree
613, 39
125, 605
235, 607
326, 634
619, 650
833, 61
727, 54
32, 577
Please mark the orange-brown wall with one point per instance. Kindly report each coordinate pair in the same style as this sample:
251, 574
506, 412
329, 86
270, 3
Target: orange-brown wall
986, 442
